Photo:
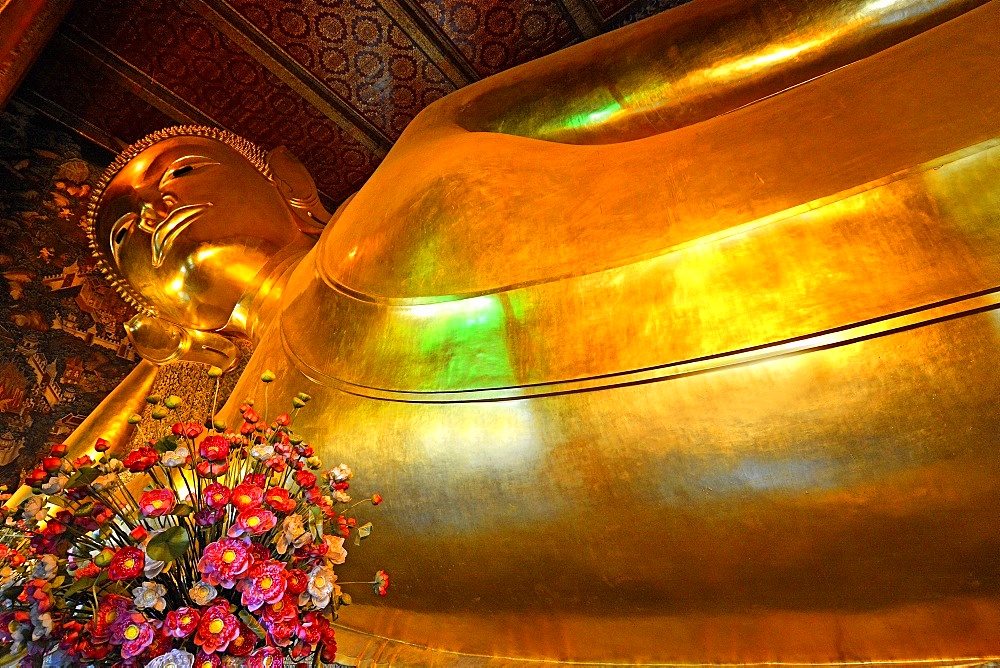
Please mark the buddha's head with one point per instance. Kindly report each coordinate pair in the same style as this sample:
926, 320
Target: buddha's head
185, 220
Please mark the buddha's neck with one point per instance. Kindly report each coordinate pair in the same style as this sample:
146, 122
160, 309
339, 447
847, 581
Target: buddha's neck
262, 299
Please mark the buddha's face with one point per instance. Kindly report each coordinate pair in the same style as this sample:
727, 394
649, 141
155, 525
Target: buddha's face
189, 222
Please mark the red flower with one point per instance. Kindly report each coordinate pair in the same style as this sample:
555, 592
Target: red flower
381, 583
207, 661
306, 479
51, 464
244, 643
101, 445
181, 623
91, 570
297, 581
257, 479
141, 459
282, 610
207, 469
276, 463
157, 502
139, 533
127, 563
278, 498
223, 561
216, 629
36, 477
309, 628
253, 521
187, 429
246, 496
283, 420
250, 416
59, 450
214, 448
376, 499
80, 462
215, 495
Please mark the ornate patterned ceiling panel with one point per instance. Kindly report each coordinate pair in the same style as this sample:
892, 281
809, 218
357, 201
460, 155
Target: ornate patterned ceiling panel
334, 80
357, 50
494, 35
179, 49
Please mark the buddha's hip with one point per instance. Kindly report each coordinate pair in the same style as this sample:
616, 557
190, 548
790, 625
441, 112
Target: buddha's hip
833, 502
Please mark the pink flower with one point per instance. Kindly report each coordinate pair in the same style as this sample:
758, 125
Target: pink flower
181, 623
215, 495
216, 629
223, 561
264, 583
214, 448
266, 657
135, 635
208, 516
157, 502
253, 521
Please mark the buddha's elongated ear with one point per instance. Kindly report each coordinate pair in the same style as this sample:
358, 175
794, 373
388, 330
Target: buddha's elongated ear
160, 342
296, 185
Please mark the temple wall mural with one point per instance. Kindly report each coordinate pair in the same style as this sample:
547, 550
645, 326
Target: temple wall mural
62, 346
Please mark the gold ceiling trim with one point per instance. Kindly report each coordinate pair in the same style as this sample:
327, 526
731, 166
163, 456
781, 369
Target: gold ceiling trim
134, 80
429, 37
583, 15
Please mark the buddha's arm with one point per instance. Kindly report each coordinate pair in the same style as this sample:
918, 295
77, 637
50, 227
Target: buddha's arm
683, 66
109, 420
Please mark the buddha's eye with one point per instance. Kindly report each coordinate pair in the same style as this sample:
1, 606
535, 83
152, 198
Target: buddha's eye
185, 166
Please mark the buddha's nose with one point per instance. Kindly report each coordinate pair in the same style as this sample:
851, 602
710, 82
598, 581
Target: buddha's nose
150, 216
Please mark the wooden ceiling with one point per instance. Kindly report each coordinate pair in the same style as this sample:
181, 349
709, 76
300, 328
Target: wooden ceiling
334, 80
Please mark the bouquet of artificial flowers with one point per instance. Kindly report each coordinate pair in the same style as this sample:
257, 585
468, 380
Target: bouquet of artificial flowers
205, 547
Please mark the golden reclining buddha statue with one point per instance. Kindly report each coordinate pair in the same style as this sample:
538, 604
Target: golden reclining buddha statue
678, 346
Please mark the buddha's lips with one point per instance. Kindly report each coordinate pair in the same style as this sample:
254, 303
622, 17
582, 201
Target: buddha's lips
172, 225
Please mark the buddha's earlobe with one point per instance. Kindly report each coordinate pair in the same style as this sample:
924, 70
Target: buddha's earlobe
160, 342
296, 185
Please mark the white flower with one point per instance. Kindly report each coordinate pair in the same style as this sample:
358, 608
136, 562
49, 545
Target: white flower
173, 458
175, 658
104, 481
34, 509
322, 584
341, 473
335, 552
202, 593
113, 466
150, 595
262, 451
55, 484
45, 567
293, 534
341, 496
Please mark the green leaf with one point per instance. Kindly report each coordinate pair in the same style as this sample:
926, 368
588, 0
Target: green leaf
165, 444
182, 510
84, 476
252, 623
78, 586
169, 545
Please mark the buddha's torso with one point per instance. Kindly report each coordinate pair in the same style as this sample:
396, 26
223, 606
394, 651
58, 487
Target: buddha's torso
721, 394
